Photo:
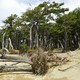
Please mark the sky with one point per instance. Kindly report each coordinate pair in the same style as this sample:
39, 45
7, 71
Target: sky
8, 7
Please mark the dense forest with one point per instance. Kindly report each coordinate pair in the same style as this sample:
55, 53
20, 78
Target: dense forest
47, 26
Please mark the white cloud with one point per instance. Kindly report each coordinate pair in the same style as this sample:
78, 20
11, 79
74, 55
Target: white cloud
72, 4
8, 7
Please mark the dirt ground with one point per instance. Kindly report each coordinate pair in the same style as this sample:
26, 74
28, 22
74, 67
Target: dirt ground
70, 70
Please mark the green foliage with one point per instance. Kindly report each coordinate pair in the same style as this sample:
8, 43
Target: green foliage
24, 47
48, 22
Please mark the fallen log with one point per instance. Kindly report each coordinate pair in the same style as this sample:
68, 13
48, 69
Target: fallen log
38, 62
10, 68
64, 69
16, 59
9, 60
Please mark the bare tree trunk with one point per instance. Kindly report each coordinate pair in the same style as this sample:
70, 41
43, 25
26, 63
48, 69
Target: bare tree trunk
10, 44
79, 42
66, 39
37, 38
40, 41
3, 44
60, 44
45, 40
11, 68
16, 59
6, 46
31, 36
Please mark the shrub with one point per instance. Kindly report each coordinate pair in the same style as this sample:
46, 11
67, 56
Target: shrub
24, 47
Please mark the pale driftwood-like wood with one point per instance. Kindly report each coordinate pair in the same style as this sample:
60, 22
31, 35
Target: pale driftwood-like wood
10, 68
64, 69
3, 40
10, 44
16, 59
37, 62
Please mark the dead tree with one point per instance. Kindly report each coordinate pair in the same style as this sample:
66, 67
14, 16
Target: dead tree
38, 62
39, 65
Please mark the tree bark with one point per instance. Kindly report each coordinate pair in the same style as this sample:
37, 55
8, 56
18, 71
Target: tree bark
6, 46
66, 39
37, 37
3, 44
31, 36
10, 44
61, 44
16, 59
11, 68
79, 41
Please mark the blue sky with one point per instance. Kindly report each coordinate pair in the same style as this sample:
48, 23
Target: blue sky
8, 7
